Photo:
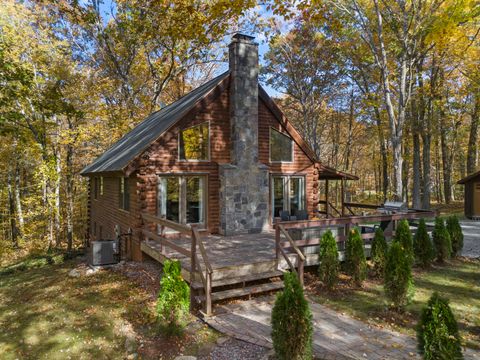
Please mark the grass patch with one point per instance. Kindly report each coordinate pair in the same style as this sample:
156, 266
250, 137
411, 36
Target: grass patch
37, 261
458, 280
45, 314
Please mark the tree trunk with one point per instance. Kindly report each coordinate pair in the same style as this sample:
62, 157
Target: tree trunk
18, 202
11, 210
438, 182
69, 196
383, 153
406, 170
57, 224
416, 201
473, 136
351, 118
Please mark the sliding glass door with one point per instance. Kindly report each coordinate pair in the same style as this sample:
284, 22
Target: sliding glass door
182, 199
288, 194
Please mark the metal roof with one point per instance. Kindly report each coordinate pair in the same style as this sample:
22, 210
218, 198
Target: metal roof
120, 154
469, 178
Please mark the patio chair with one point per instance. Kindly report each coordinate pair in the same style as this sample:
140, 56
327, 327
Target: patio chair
285, 215
301, 215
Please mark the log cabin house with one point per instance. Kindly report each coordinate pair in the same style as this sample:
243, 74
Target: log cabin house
219, 167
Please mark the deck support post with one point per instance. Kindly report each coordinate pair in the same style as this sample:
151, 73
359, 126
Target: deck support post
343, 196
326, 199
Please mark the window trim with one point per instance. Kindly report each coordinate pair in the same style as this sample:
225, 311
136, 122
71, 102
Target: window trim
95, 188
181, 177
286, 192
270, 147
208, 159
123, 184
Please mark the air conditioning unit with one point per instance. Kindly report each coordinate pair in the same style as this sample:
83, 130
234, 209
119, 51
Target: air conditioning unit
103, 252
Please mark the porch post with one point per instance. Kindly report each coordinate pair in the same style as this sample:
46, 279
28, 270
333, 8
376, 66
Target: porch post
343, 196
326, 198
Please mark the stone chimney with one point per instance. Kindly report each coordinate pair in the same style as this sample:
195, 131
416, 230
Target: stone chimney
243, 182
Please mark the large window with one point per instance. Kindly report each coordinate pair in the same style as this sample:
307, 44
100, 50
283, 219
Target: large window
281, 147
124, 194
194, 143
288, 194
182, 199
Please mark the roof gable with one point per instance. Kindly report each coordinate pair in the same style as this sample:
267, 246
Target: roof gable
326, 171
130, 146
469, 178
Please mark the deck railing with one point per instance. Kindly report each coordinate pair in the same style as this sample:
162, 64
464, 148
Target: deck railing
288, 245
195, 241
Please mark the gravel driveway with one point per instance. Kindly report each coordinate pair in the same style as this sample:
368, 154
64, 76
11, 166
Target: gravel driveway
471, 238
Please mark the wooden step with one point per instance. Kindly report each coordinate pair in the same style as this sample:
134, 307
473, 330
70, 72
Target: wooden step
254, 289
240, 279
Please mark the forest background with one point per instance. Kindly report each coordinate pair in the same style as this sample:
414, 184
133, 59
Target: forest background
388, 90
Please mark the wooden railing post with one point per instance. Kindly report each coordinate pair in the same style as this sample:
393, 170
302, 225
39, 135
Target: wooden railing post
208, 293
193, 264
301, 263
277, 243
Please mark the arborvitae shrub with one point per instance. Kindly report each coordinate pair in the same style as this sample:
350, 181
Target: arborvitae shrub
403, 235
355, 262
441, 240
292, 327
379, 251
423, 246
398, 276
456, 234
173, 301
328, 257
437, 331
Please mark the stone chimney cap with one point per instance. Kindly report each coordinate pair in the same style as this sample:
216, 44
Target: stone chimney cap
245, 37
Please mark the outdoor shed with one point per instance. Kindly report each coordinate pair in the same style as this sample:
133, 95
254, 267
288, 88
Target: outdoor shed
472, 195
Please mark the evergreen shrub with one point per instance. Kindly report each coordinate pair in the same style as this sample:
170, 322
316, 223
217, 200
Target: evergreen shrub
424, 252
398, 283
441, 240
403, 235
292, 327
173, 302
437, 331
355, 262
456, 234
328, 257
379, 251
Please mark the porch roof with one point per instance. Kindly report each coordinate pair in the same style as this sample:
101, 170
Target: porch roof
329, 173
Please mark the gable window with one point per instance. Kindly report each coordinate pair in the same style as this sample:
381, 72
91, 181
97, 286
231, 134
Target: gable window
281, 147
194, 142
124, 194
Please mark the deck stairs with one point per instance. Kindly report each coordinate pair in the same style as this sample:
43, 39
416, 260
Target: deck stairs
240, 286
228, 282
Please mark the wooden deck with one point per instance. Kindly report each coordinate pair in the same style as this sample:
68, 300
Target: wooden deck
239, 255
222, 267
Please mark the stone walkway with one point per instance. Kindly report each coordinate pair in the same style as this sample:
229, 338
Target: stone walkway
336, 336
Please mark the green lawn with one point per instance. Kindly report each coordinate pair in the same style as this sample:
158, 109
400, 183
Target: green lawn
45, 314
459, 281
